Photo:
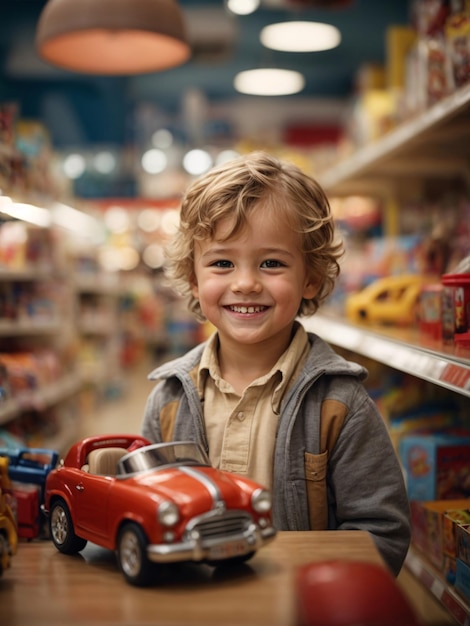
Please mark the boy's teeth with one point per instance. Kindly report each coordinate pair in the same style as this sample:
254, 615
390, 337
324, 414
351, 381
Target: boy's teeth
246, 309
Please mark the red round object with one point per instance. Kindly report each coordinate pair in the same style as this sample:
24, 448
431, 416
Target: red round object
341, 593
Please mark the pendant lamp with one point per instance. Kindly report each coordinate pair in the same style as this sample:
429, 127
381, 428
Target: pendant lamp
112, 37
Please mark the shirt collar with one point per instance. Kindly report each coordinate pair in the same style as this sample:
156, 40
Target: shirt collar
209, 364
288, 365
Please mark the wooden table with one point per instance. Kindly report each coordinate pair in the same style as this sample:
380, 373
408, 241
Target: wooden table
43, 586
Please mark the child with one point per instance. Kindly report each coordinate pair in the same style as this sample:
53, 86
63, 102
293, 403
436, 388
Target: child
256, 249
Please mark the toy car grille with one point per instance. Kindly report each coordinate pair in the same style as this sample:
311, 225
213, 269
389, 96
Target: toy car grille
222, 525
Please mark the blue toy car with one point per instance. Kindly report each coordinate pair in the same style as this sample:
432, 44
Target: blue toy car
30, 465
28, 469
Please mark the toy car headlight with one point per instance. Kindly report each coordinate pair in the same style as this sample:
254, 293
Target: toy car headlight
261, 501
168, 513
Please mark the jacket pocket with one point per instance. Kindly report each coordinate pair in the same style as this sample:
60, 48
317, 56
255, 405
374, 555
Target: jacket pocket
315, 474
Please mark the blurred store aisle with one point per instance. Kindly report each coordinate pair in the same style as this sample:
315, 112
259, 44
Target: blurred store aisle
124, 413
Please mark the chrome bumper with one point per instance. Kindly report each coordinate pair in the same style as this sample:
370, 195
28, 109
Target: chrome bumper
194, 548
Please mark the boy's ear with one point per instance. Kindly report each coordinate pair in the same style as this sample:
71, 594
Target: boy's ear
311, 289
194, 286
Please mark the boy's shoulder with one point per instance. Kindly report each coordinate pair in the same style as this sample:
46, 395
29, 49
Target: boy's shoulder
179, 366
323, 358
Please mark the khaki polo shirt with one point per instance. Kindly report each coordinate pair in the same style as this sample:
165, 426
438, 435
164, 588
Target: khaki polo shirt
241, 431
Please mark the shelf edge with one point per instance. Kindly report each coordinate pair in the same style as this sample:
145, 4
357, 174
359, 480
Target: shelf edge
438, 369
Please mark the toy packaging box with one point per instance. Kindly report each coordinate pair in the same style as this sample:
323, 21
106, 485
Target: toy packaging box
436, 465
462, 580
462, 540
451, 521
433, 530
430, 311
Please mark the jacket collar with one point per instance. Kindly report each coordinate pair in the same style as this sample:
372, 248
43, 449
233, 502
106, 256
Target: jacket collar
322, 359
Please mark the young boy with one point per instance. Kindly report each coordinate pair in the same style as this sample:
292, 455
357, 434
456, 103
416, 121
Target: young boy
256, 249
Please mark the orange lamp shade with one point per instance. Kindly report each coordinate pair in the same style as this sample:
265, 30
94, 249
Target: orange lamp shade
112, 37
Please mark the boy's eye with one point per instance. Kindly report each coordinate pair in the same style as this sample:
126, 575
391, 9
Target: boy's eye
223, 263
271, 263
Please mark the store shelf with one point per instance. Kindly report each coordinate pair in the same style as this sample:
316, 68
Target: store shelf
395, 348
25, 274
434, 144
32, 326
434, 582
101, 284
100, 327
433, 147
40, 399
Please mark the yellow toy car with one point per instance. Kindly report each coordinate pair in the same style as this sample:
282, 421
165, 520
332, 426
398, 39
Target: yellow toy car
8, 532
389, 300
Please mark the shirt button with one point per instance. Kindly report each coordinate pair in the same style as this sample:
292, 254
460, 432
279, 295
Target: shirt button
241, 416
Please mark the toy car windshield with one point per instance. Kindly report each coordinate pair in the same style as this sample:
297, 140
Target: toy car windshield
160, 455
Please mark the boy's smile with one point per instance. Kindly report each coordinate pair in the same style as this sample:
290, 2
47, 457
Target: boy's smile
247, 309
250, 285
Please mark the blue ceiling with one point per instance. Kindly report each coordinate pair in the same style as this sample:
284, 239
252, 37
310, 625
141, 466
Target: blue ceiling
87, 110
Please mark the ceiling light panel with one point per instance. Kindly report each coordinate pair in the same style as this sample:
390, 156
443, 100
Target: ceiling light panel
269, 82
300, 36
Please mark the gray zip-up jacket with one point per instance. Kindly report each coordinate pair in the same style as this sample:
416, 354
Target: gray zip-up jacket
349, 480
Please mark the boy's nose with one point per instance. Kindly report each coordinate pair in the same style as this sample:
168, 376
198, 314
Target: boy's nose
246, 282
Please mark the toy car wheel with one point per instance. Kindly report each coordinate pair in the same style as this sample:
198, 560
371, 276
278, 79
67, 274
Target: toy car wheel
62, 531
132, 555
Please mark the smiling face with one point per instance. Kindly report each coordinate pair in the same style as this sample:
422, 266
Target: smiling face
250, 284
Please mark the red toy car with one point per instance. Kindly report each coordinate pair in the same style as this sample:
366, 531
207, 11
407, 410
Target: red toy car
154, 503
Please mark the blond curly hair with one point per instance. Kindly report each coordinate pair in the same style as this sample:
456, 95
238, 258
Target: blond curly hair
236, 188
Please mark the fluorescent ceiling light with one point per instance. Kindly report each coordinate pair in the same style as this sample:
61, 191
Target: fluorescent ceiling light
242, 7
197, 162
154, 161
154, 256
162, 138
149, 220
59, 215
170, 221
26, 212
269, 82
117, 219
77, 221
104, 162
225, 156
300, 36
74, 166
